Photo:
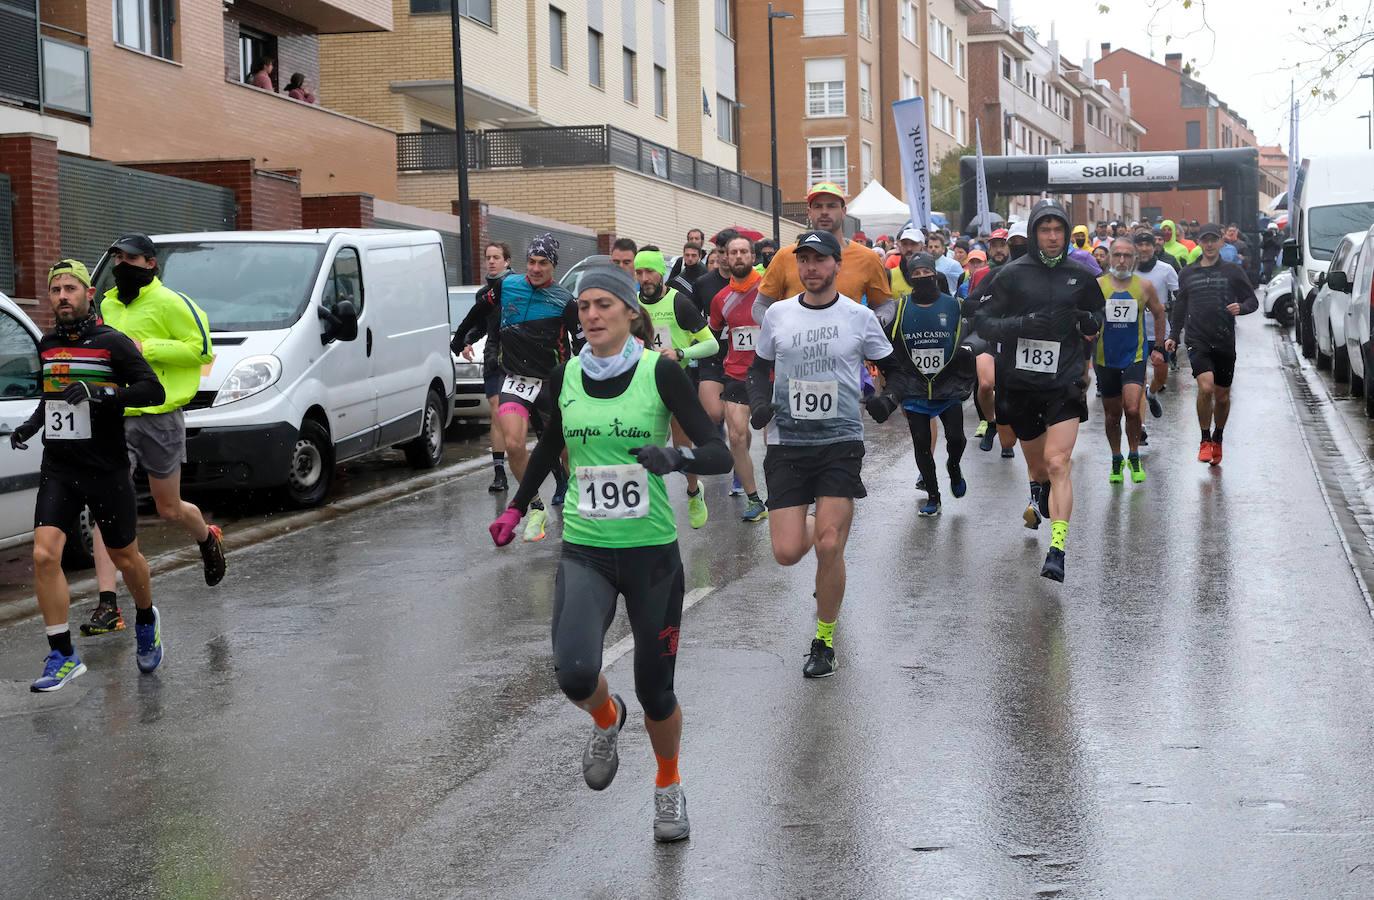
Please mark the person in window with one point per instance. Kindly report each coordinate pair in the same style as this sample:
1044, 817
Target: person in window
261, 74
296, 90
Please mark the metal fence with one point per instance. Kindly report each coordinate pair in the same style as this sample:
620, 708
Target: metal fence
101, 201
19, 71
6, 236
517, 232
581, 145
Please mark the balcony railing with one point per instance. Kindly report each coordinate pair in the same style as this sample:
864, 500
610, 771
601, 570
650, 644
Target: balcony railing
581, 145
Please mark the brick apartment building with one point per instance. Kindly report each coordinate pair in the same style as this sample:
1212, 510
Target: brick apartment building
1179, 113
1021, 92
841, 64
595, 118
1273, 164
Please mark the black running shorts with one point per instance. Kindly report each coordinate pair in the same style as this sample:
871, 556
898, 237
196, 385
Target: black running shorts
1221, 363
1030, 413
797, 475
110, 495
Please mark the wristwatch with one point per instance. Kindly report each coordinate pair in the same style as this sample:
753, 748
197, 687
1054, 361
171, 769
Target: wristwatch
680, 355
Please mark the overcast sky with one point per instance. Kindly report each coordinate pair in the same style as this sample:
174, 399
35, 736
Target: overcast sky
1242, 60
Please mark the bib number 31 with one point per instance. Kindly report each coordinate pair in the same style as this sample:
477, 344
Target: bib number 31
65, 422
612, 492
813, 399
1037, 356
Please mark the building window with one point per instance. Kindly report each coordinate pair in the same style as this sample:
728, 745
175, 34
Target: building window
909, 87
660, 92
595, 58
822, 17
941, 112
865, 95
942, 40
254, 47
959, 60
558, 51
428, 127
477, 10
827, 163
145, 25
725, 119
1006, 68
961, 126
866, 161
825, 87
906, 12
627, 75
1194, 135
865, 21
723, 17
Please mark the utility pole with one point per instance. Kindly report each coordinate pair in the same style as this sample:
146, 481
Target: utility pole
461, 131
773, 122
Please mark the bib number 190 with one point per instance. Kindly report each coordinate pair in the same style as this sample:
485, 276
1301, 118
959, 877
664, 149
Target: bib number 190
813, 399
612, 492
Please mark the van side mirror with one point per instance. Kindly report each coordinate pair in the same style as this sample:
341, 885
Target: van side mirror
1292, 257
340, 324
1338, 281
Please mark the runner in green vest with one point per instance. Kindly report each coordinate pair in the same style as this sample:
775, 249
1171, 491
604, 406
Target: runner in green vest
680, 332
614, 401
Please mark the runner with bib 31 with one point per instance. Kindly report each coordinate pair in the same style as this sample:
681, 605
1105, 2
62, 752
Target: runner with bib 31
1042, 307
613, 403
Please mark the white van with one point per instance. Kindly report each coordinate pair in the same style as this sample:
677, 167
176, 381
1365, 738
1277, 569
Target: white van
1334, 196
328, 344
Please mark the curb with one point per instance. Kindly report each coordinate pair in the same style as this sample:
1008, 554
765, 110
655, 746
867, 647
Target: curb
13, 611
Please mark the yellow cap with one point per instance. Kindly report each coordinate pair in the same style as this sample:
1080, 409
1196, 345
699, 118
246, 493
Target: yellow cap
72, 267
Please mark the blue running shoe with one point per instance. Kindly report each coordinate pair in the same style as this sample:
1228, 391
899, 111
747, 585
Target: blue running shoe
736, 489
1008, 453
756, 512
149, 638
987, 438
931, 507
957, 485
57, 671
560, 491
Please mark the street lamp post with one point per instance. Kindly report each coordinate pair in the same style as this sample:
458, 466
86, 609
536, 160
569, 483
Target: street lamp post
1370, 129
1370, 76
460, 122
773, 120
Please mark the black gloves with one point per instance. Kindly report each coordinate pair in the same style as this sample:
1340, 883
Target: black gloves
660, 460
880, 407
760, 414
19, 438
1087, 324
79, 392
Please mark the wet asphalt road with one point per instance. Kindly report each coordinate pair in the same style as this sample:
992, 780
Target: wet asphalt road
366, 707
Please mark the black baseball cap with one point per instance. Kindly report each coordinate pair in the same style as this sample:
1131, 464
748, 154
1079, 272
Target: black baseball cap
823, 242
1211, 228
920, 260
1144, 237
135, 244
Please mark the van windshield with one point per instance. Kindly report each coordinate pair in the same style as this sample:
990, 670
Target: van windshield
1326, 225
242, 286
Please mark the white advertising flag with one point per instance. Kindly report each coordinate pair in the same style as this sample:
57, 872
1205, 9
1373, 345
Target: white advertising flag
1292, 162
984, 212
910, 116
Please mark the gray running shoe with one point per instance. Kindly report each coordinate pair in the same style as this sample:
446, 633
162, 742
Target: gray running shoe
670, 814
601, 759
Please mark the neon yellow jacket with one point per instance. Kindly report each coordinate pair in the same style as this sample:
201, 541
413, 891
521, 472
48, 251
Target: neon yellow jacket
175, 335
1175, 248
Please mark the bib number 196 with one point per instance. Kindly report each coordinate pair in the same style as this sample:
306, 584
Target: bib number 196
1037, 356
612, 492
813, 399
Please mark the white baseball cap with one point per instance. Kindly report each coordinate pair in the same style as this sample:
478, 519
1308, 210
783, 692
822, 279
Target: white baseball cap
1018, 230
913, 234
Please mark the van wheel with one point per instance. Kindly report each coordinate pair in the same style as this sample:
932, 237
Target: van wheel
1323, 359
1340, 363
426, 450
79, 551
311, 470
1306, 338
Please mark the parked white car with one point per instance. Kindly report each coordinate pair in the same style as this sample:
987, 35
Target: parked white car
19, 392
1357, 320
470, 404
1329, 305
329, 344
1276, 297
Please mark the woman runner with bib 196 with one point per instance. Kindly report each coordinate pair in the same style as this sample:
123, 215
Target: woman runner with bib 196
613, 403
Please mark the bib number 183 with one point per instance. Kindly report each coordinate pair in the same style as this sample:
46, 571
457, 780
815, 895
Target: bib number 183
813, 399
1037, 356
612, 492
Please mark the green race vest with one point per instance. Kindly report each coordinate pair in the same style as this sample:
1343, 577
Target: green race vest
663, 315
600, 433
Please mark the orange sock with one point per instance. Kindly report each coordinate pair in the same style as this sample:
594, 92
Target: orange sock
606, 715
667, 771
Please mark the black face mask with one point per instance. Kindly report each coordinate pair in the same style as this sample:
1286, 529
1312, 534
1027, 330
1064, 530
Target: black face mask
130, 279
1018, 250
925, 289
651, 292
1147, 265
766, 257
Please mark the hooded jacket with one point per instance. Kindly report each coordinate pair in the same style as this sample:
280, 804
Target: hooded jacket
1034, 301
1174, 247
175, 336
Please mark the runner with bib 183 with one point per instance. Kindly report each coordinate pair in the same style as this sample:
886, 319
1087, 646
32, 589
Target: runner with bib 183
614, 400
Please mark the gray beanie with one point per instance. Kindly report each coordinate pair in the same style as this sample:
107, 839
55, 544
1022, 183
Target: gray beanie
612, 279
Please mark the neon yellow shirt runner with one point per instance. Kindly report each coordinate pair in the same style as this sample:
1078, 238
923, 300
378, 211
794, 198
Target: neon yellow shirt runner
618, 504
668, 334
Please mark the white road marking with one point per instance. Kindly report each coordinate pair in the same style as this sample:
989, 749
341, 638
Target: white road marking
625, 644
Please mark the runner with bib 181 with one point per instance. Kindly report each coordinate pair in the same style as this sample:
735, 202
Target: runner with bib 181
614, 400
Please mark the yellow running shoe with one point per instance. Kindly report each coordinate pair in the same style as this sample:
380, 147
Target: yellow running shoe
696, 509
534, 525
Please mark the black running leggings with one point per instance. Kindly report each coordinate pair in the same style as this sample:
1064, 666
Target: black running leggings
589, 580
952, 421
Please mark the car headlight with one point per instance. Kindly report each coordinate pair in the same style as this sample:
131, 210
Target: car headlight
466, 371
253, 375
